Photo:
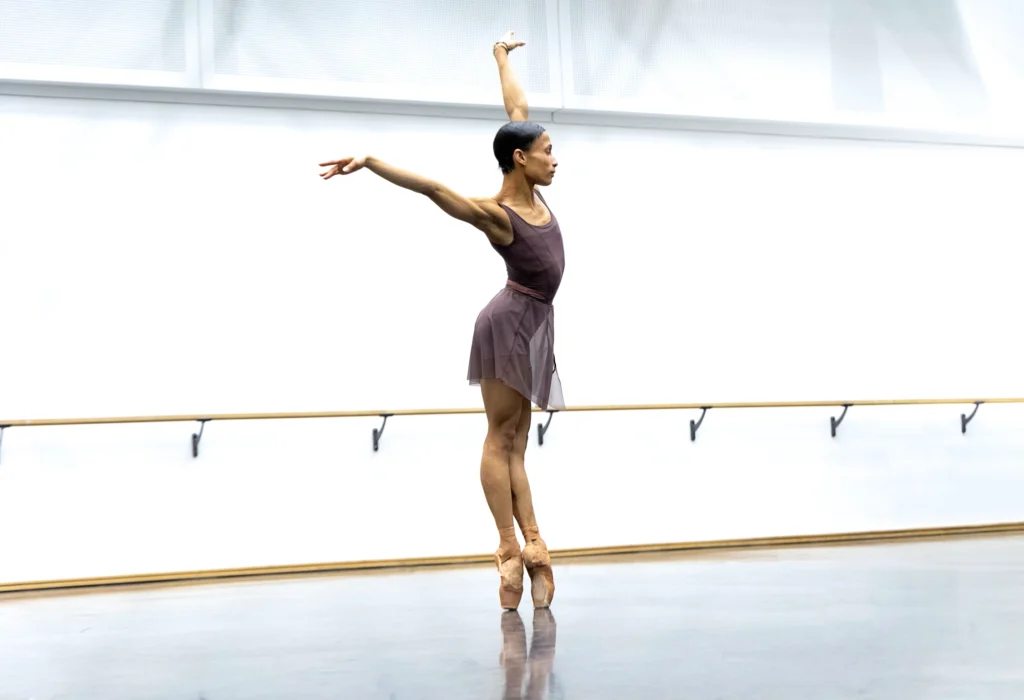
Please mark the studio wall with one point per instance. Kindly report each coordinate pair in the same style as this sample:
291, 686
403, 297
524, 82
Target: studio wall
183, 259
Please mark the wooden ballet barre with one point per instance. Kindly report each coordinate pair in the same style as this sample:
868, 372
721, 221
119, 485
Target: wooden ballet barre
202, 419
705, 407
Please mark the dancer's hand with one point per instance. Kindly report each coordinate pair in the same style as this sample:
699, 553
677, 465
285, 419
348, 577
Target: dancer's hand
510, 41
342, 166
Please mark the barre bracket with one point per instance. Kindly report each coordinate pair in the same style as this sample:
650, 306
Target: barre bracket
835, 423
964, 420
694, 425
541, 429
196, 437
377, 432
2, 427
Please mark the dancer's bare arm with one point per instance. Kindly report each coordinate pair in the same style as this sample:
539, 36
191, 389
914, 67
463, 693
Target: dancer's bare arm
481, 212
512, 92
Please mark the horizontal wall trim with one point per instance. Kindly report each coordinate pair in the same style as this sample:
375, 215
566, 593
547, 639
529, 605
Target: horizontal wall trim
795, 129
579, 117
488, 559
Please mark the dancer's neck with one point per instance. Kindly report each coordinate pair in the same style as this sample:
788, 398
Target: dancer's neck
516, 189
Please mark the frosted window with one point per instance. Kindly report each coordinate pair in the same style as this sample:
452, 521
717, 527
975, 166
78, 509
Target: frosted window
397, 42
794, 58
719, 50
113, 34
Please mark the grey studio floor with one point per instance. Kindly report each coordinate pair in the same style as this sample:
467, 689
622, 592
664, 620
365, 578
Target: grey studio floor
912, 620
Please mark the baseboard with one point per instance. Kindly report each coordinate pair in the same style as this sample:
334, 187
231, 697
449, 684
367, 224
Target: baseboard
563, 554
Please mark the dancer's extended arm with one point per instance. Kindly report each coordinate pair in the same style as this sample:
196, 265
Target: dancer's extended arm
512, 93
481, 212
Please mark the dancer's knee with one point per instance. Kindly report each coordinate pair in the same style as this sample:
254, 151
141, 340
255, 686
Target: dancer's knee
501, 436
520, 441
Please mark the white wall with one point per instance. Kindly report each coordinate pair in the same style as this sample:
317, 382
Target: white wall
161, 259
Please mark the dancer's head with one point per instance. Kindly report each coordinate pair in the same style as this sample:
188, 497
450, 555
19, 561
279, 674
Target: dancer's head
523, 149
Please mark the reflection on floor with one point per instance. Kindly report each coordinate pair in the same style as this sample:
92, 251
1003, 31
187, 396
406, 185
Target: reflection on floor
534, 667
897, 621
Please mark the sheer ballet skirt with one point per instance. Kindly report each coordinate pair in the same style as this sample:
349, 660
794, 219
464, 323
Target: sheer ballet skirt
513, 342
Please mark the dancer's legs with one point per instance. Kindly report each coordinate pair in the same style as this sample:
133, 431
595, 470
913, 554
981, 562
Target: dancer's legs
503, 406
522, 499
535, 552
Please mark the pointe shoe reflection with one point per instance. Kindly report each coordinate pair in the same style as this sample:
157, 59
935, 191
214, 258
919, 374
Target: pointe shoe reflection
542, 654
514, 658
513, 654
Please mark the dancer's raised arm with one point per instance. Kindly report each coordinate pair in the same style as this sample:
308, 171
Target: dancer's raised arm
481, 212
512, 92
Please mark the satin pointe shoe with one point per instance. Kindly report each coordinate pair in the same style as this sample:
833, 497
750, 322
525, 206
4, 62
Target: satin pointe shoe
538, 564
509, 561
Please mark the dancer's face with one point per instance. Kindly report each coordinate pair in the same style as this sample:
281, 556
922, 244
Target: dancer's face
539, 162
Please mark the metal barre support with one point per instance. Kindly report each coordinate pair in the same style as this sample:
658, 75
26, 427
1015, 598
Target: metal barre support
541, 429
835, 423
2, 427
378, 432
196, 437
695, 425
964, 420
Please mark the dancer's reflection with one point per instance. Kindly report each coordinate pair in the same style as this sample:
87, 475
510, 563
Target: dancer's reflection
514, 659
513, 654
542, 654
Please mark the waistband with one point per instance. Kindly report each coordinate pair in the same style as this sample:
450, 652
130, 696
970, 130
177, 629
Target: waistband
515, 286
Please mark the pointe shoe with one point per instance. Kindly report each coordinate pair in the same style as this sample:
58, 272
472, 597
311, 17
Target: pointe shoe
542, 578
510, 567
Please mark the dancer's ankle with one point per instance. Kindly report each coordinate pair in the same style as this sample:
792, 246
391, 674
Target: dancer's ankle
531, 533
508, 539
